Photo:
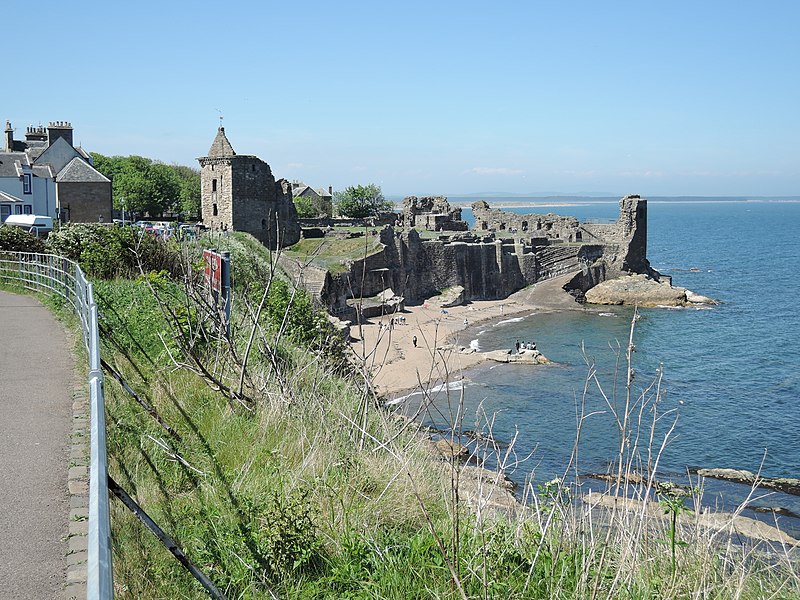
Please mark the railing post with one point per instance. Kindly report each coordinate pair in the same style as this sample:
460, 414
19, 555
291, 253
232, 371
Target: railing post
99, 575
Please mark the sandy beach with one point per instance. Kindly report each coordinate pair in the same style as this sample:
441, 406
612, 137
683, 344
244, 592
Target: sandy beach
387, 347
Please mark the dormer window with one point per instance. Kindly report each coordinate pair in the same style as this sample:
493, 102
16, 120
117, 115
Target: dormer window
27, 187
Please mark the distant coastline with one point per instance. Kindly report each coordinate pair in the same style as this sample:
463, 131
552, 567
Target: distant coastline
559, 201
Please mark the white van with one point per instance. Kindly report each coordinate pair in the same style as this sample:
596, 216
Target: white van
38, 225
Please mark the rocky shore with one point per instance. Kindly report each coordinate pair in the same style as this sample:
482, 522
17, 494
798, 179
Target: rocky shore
643, 291
734, 525
522, 356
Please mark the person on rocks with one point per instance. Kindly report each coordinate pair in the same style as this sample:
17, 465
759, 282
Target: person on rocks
517, 346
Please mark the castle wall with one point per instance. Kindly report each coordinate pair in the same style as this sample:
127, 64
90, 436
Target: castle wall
239, 193
550, 226
418, 269
215, 191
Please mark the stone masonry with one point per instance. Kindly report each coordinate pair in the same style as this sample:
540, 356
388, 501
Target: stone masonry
489, 266
549, 226
433, 213
239, 193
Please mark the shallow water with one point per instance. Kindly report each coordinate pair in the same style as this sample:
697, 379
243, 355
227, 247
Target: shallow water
730, 373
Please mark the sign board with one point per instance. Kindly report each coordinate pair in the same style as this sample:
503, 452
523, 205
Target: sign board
213, 267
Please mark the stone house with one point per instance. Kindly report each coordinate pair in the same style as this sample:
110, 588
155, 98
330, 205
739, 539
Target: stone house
45, 174
239, 193
321, 199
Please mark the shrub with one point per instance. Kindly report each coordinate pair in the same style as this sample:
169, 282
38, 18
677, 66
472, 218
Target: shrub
15, 239
108, 252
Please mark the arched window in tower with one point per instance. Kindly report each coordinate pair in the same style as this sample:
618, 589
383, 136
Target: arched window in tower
263, 223
214, 210
213, 185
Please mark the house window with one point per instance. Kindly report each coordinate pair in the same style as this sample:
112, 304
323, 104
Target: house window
26, 183
5, 210
28, 209
17, 209
214, 210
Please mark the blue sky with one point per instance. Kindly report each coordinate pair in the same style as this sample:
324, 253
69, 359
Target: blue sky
677, 98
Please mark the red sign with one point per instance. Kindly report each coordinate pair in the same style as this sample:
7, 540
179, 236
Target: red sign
213, 264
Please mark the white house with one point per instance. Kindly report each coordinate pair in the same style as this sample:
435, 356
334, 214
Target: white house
46, 175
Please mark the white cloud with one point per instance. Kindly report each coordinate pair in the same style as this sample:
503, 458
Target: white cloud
493, 171
642, 174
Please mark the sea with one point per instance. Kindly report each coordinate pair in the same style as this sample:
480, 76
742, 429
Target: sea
719, 386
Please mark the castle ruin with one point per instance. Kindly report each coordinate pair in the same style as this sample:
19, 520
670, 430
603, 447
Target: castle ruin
504, 253
239, 193
432, 213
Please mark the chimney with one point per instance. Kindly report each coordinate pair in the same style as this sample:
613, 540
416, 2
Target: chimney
59, 129
9, 137
36, 134
330, 190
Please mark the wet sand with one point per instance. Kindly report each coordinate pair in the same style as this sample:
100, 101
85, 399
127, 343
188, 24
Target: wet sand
386, 343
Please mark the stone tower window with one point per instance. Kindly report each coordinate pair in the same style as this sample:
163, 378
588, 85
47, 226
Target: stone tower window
214, 210
263, 223
254, 167
213, 185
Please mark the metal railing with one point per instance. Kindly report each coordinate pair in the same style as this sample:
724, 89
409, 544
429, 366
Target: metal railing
55, 275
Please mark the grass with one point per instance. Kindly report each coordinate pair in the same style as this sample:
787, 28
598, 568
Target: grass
334, 254
305, 488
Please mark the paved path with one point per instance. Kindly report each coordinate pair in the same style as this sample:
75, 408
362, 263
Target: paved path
36, 377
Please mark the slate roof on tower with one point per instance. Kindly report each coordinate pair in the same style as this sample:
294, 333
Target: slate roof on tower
221, 146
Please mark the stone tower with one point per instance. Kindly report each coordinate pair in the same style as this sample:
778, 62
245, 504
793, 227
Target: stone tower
239, 193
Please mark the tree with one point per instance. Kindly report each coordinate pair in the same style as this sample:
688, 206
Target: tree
189, 180
305, 207
141, 185
360, 201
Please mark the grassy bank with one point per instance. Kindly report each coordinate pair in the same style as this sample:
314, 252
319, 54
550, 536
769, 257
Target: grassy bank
270, 462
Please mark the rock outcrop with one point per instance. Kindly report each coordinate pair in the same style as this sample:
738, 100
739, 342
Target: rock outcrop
782, 484
643, 290
524, 357
717, 521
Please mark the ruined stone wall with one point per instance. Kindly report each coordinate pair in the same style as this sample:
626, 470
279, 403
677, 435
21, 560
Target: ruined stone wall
550, 226
433, 213
417, 269
262, 206
624, 242
491, 269
215, 192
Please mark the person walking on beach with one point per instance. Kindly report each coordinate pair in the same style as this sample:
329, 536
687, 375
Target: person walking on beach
517, 346
414, 341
